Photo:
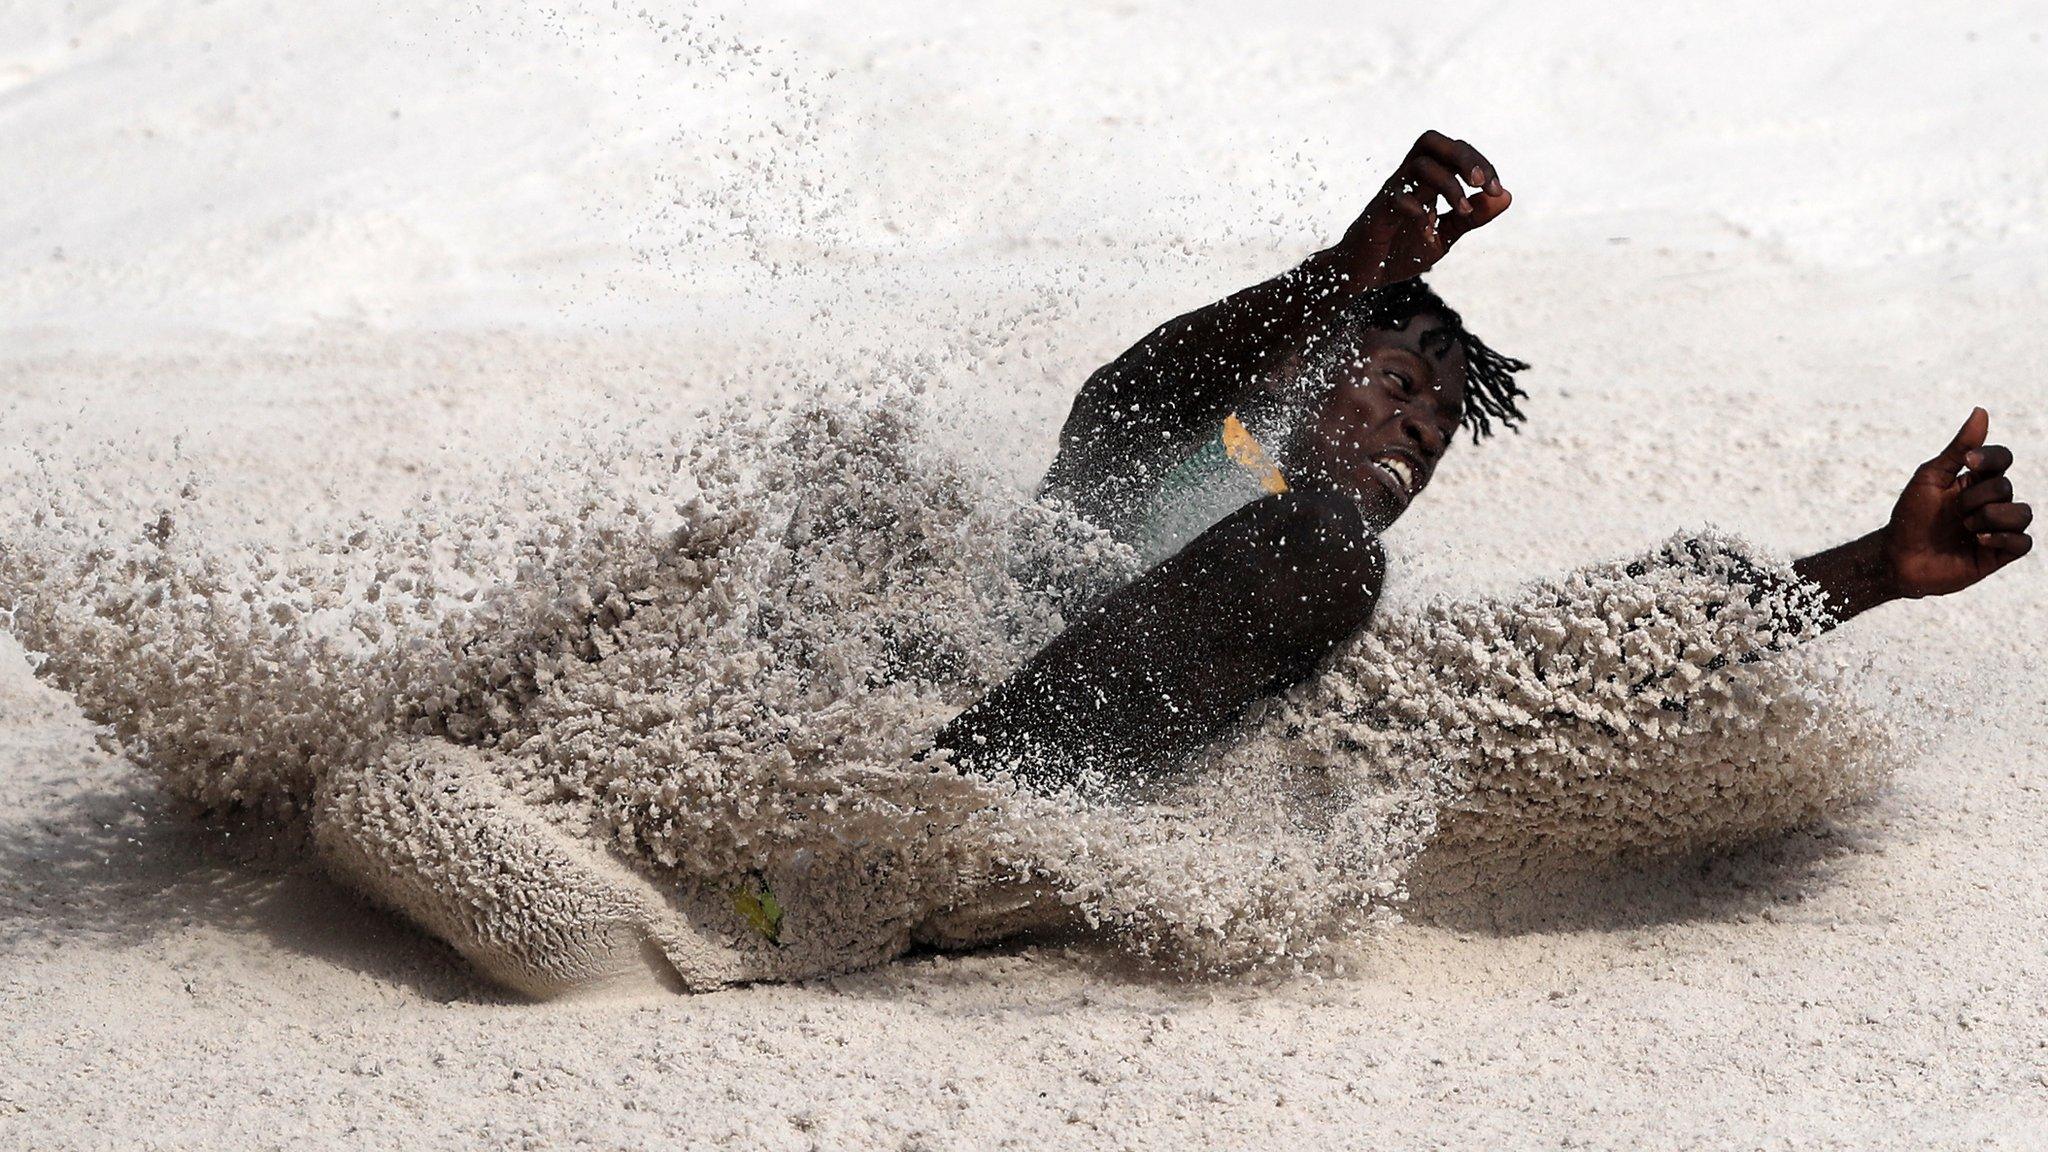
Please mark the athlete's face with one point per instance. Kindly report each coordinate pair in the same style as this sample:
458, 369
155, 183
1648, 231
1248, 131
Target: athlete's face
1391, 412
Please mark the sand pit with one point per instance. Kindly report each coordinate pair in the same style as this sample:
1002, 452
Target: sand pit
458, 340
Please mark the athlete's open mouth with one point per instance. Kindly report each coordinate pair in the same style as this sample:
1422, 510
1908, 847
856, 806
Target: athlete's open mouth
1400, 472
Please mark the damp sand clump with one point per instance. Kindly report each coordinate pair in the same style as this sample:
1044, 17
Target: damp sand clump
666, 704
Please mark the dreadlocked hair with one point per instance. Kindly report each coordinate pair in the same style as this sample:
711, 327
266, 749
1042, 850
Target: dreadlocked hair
1491, 392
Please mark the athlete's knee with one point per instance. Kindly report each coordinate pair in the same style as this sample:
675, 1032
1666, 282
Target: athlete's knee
1320, 529
1321, 566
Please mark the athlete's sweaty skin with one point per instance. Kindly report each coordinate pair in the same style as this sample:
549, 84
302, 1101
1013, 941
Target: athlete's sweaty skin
1158, 668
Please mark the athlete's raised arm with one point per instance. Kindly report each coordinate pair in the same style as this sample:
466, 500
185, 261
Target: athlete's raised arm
1170, 388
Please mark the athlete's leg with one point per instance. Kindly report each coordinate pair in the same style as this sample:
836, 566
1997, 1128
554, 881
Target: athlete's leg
1157, 669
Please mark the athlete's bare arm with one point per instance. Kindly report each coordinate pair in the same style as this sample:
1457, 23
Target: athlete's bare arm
1955, 524
1172, 387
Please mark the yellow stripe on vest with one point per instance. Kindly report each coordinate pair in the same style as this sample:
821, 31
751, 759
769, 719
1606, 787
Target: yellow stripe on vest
1245, 449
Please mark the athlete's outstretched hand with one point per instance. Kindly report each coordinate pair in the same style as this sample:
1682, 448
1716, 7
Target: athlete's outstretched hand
1956, 522
1402, 233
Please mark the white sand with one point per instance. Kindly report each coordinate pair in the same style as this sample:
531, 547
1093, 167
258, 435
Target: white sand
1764, 266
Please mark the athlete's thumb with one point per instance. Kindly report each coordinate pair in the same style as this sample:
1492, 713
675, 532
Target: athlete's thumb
1956, 456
